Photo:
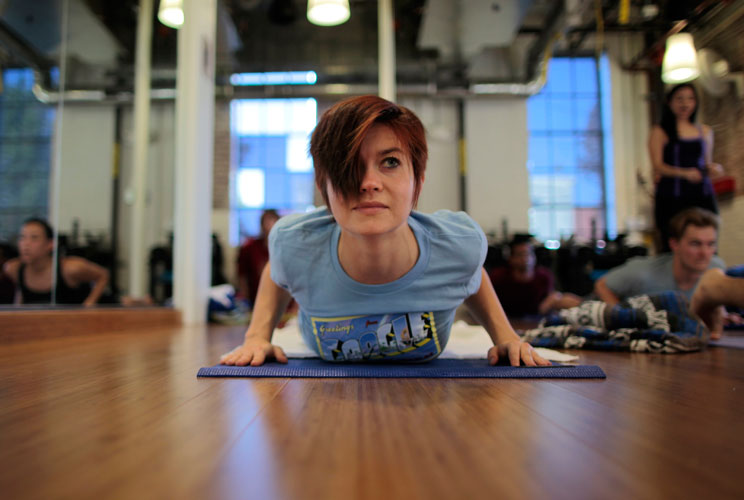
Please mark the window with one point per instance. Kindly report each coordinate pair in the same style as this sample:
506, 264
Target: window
568, 164
272, 166
26, 127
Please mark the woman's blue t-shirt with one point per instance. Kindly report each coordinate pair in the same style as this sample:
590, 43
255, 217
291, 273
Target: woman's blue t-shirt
407, 319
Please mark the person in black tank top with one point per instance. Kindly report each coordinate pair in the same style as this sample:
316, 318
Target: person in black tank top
681, 156
78, 281
64, 294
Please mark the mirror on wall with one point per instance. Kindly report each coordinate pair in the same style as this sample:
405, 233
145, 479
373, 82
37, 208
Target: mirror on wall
66, 154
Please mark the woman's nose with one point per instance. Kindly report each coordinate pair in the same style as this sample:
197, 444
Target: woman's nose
371, 180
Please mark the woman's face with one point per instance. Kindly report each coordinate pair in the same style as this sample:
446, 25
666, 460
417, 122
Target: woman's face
33, 243
386, 194
683, 103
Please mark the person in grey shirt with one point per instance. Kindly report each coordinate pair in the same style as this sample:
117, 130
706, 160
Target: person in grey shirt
693, 240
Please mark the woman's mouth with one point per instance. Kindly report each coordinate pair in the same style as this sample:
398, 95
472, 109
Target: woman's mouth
370, 207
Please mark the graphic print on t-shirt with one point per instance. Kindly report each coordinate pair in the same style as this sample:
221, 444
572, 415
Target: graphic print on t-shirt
401, 336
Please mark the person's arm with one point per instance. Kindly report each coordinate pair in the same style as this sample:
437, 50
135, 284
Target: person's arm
11, 269
79, 270
604, 292
713, 291
557, 300
271, 302
487, 310
656, 142
714, 169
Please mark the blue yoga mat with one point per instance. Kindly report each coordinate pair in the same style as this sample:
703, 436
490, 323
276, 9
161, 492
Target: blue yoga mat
439, 368
729, 341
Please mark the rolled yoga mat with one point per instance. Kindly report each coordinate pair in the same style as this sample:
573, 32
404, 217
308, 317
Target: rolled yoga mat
439, 368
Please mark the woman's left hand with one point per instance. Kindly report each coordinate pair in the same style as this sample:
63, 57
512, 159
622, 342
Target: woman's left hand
516, 351
715, 169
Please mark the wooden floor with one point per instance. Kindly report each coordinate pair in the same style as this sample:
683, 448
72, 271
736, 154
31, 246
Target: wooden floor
122, 415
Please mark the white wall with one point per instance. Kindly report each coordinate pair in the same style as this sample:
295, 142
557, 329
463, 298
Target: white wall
497, 186
731, 239
630, 129
440, 190
86, 160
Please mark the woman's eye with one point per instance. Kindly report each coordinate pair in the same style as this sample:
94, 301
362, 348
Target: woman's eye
390, 162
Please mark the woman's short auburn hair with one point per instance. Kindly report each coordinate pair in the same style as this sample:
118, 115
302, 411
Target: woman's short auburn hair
337, 140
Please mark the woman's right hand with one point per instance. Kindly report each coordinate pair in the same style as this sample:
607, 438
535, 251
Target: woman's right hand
693, 175
254, 352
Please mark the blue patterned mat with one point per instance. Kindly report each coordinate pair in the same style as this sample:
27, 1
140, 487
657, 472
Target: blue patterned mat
439, 368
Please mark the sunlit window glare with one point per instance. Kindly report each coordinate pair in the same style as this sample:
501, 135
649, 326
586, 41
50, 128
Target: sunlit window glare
251, 190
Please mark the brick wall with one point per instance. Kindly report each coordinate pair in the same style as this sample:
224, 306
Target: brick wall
221, 180
725, 115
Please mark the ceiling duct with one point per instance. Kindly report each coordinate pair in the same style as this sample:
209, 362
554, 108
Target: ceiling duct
463, 28
483, 36
515, 62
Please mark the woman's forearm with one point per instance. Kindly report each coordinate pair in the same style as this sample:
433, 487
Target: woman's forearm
487, 310
97, 290
271, 302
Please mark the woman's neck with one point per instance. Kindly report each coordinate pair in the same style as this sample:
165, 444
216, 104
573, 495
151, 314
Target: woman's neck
379, 259
40, 265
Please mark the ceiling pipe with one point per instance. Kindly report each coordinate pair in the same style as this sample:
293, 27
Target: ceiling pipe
536, 64
536, 75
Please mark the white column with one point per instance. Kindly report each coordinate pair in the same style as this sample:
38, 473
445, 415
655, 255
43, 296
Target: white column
386, 49
137, 251
193, 160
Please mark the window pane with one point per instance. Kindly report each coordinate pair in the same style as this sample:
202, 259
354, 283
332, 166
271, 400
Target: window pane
541, 223
302, 189
588, 190
538, 152
276, 189
589, 223
540, 189
587, 114
251, 189
298, 157
564, 151
561, 113
585, 74
26, 128
559, 76
565, 160
271, 136
590, 152
537, 113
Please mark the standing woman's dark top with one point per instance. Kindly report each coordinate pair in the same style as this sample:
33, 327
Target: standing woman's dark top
681, 152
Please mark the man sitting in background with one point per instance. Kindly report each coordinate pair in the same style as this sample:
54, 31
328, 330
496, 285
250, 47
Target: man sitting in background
253, 256
693, 240
524, 288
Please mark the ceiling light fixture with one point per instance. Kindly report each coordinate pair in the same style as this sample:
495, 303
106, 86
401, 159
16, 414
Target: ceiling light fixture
680, 59
328, 12
170, 13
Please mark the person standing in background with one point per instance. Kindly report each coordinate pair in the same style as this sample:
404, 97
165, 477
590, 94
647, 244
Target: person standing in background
681, 153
